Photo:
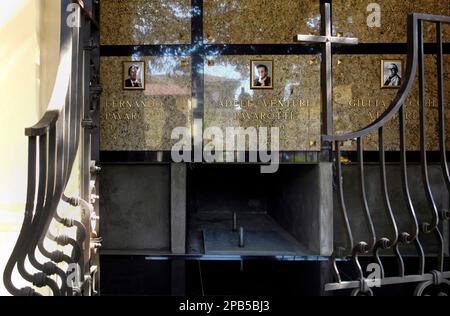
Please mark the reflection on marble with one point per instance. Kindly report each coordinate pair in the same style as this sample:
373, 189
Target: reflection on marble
259, 21
359, 100
394, 15
138, 22
293, 105
143, 120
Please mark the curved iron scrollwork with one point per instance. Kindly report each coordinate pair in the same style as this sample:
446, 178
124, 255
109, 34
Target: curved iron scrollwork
437, 281
397, 238
52, 149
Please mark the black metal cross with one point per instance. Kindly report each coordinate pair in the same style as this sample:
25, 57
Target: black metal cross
327, 39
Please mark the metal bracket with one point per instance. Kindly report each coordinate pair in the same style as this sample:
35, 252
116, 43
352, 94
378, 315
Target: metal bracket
88, 124
91, 45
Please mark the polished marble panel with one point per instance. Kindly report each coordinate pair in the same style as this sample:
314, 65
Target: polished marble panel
142, 120
259, 21
359, 100
139, 22
293, 104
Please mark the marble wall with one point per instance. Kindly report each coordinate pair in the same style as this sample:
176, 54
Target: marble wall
293, 104
359, 100
138, 22
143, 119
228, 100
270, 22
259, 21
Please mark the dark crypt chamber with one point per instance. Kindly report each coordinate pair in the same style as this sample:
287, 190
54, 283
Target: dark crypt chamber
279, 213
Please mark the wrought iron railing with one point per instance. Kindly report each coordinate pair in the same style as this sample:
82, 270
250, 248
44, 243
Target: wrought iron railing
53, 146
397, 238
55, 139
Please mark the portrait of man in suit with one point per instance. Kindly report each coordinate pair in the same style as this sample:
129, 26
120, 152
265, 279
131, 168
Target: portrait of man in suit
262, 74
134, 75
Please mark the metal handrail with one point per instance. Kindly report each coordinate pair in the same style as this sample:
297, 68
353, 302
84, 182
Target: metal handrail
53, 146
398, 238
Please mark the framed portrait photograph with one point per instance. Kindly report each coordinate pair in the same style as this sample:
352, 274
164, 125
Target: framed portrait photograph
391, 73
262, 76
133, 75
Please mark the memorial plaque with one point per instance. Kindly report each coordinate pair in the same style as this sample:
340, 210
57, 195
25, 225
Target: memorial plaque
292, 104
138, 22
259, 21
143, 119
384, 21
359, 99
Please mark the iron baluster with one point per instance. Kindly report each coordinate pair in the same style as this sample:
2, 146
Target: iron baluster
426, 227
364, 202
441, 101
413, 236
342, 206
